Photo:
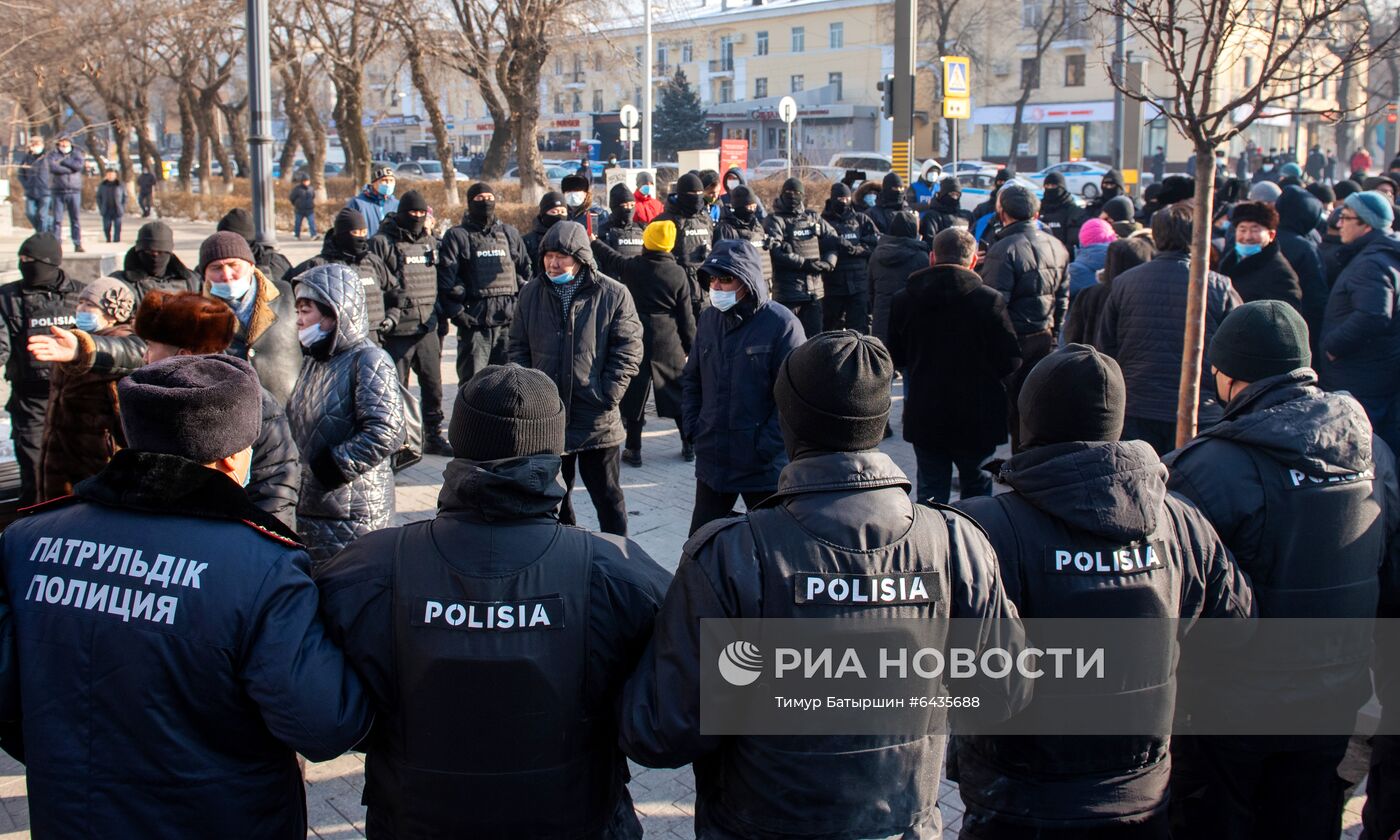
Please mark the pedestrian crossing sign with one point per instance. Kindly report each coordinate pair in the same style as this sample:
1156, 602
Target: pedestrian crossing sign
957, 77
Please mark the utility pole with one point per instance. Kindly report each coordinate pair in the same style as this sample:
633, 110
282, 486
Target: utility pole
260, 122
1118, 37
905, 34
649, 55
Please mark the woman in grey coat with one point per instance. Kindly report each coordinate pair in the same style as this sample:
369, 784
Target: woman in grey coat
346, 414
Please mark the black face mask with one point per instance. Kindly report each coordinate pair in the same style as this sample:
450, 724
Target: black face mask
623, 215
1110, 190
547, 221
35, 273
794, 201
743, 214
154, 262
481, 211
691, 204
413, 224
355, 246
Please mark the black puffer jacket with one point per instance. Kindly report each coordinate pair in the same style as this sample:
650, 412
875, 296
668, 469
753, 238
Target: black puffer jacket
347, 418
1298, 215
1095, 497
855, 238
176, 278
797, 278
1263, 276
374, 274
889, 204
1030, 269
591, 352
1292, 474
943, 212
1061, 214
1141, 327
898, 255
1361, 329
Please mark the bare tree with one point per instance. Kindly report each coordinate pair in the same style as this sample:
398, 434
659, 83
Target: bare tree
474, 51
407, 23
1049, 20
950, 24
297, 71
347, 37
1198, 47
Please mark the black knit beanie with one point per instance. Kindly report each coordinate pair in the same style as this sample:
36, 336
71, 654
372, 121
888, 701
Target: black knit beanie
349, 219
549, 201
155, 236
507, 411
239, 221
1260, 339
1073, 394
42, 247
413, 200
478, 188
833, 393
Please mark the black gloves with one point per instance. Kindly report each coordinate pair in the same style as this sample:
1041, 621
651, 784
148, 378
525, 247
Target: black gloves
327, 471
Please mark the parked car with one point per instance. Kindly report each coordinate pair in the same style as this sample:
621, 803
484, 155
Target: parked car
1081, 177
807, 173
977, 186
419, 170
767, 167
869, 162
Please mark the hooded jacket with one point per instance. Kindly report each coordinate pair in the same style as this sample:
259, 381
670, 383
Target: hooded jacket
898, 255
591, 353
532, 241
951, 336
800, 240
727, 384
219, 678
176, 277
1298, 215
1140, 327
661, 292
507, 509
1060, 214
347, 417
1361, 328
889, 203
944, 211
1262, 276
1094, 208
855, 237
1291, 474
1028, 266
375, 276
837, 512
1084, 270
1095, 497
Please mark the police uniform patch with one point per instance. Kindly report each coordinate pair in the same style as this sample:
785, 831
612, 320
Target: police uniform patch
526, 614
863, 590
1131, 559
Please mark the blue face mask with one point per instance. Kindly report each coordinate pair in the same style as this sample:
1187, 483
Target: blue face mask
561, 279
723, 301
870, 200
646, 189
1247, 250
231, 291
385, 190
87, 321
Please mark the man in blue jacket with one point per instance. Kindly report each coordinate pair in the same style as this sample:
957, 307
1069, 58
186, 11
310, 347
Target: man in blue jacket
727, 406
171, 660
1361, 328
376, 200
66, 185
34, 178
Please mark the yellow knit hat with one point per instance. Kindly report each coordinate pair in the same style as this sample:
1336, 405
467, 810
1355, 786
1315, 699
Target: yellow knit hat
659, 236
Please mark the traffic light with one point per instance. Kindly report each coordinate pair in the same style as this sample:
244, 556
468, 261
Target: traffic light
1390, 113
886, 86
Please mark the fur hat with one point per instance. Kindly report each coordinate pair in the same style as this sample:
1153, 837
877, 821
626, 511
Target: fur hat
1260, 212
201, 408
187, 320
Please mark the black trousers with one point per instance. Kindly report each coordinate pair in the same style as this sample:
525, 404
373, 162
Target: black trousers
634, 428
599, 470
27, 432
112, 228
846, 312
478, 347
421, 354
809, 314
981, 826
1034, 347
711, 504
144, 202
1381, 814
1243, 788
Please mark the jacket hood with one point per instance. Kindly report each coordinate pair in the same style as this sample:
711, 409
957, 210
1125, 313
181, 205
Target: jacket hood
948, 202
734, 172
174, 269
894, 250
570, 238
1112, 489
337, 287
1299, 425
1055, 198
942, 284
512, 488
1298, 210
738, 258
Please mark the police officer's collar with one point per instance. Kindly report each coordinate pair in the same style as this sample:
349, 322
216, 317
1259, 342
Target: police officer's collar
828, 471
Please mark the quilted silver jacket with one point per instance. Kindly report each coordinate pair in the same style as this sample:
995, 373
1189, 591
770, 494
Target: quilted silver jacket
346, 401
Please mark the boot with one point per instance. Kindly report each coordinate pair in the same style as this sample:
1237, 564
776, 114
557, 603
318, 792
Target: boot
632, 457
435, 444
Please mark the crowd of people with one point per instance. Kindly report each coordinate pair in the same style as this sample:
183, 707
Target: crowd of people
230, 432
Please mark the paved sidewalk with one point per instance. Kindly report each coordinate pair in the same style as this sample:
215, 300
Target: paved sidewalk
659, 495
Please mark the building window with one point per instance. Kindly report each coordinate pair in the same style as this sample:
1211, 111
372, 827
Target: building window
726, 52
1074, 71
663, 57
1031, 14
598, 62
559, 65
1030, 74
558, 103
836, 36
686, 56
597, 102
798, 83
760, 43
835, 79
637, 55
578, 103
1248, 72
726, 91
799, 38
636, 97
760, 87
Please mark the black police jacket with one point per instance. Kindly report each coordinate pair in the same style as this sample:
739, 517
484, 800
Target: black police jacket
1070, 499
834, 514
25, 311
494, 672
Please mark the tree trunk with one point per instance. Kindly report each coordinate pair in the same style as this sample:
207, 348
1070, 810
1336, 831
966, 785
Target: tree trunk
127, 174
187, 140
430, 103
498, 148
315, 149
238, 136
139, 115
349, 84
292, 108
1194, 345
1017, 126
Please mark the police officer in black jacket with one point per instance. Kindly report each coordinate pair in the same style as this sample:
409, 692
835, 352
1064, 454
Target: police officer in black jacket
695, 232
1077, 488
621, 232
43, 297
741, 219
1305, 496
494, 640
482, 265
847, 302
841, 511
347, 243
411, 253
804, 248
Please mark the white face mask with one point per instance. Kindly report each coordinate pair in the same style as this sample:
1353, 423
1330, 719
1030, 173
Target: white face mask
723, 301
234, 290
574, 199
731, 183
312, 334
